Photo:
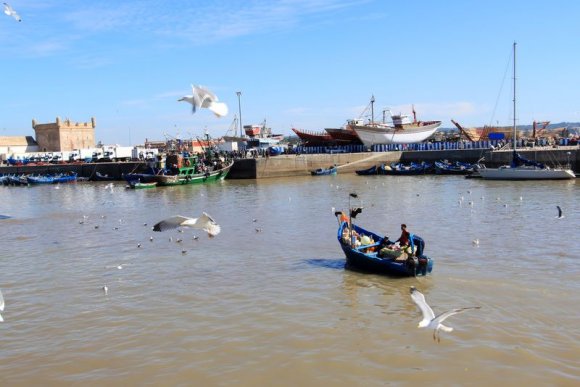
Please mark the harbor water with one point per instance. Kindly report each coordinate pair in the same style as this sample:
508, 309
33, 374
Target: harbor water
268, 300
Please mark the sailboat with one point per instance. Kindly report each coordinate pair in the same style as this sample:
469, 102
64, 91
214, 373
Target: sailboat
520, 168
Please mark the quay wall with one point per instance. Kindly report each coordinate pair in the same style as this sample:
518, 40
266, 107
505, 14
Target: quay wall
88, 170
302, 164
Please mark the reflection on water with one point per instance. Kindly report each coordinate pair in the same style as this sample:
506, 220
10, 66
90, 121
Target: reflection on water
255, 307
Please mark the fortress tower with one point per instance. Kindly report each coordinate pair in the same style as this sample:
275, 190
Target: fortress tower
64, 135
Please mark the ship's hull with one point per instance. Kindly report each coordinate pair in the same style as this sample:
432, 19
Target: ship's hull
379, 134
525, 173
310, 138
343, 136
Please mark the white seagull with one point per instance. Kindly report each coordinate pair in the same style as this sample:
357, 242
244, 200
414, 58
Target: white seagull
429, 318
203, 98
1, 306
204, 222
11, 12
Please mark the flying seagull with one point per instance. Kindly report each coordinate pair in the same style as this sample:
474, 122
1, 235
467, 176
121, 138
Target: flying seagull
203, 98
204, 222
10, 12
429, 318
560, 214
1, 306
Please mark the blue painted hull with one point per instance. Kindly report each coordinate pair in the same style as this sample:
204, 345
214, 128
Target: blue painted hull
324, 171
369, 171
370, 262
442, 168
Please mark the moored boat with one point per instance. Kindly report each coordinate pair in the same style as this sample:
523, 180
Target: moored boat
457, 168
406, 169
520, 168
98, 176
188, 169
52, 179
369, 171
139, 185
324, 171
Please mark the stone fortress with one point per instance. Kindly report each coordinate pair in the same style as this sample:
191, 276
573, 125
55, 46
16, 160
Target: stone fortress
64, 135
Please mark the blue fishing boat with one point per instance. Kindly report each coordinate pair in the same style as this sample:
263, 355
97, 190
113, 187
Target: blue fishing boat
52, 179
457, 168
324, 171
406, 169
360, 255
369, 171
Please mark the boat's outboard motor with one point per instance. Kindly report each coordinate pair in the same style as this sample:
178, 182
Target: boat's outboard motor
418, 262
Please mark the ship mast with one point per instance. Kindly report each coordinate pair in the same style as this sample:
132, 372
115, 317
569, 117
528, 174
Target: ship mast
372, 109
514, 142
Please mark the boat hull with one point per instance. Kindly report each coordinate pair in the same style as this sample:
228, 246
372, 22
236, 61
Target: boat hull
200, 178
525, 173
310, 138
369, 262
374, 135
343, 136
324, 171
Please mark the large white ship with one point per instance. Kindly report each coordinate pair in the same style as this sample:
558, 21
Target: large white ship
401, 131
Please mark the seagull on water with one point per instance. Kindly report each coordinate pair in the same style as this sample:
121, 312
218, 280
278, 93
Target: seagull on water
204, 222
429, 319
1, 306
11, 12
560, 214
203, 98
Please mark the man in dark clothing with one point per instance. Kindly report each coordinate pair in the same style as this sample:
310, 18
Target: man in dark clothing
404, 238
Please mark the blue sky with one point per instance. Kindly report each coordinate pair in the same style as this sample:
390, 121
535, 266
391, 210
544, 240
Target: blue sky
305, 64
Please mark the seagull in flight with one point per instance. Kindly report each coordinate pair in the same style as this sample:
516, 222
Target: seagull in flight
560, 214
203, 98
11, 12
429, 319
204, 222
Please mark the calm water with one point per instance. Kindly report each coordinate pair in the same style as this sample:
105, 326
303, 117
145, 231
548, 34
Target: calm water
276, 307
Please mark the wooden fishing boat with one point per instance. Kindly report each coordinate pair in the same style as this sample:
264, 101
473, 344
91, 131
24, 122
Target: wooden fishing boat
365, 258
52, 179
138, 185
369, 171
188, 174
98, 176
324, 171
313, 138
184, 168
405, 169
457, 168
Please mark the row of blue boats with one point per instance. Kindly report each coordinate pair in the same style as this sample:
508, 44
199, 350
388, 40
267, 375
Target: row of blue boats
19, 180
443, 167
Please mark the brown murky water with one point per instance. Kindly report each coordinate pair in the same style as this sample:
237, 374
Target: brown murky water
277, 307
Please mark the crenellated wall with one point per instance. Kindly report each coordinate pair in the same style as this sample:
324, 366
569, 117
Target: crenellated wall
64, 135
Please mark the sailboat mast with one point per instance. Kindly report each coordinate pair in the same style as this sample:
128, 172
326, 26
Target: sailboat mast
372, 109
515, 97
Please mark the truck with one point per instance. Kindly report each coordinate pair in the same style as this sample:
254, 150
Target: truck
112, 153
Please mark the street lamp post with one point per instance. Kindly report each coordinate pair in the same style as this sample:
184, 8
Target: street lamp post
239, 93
